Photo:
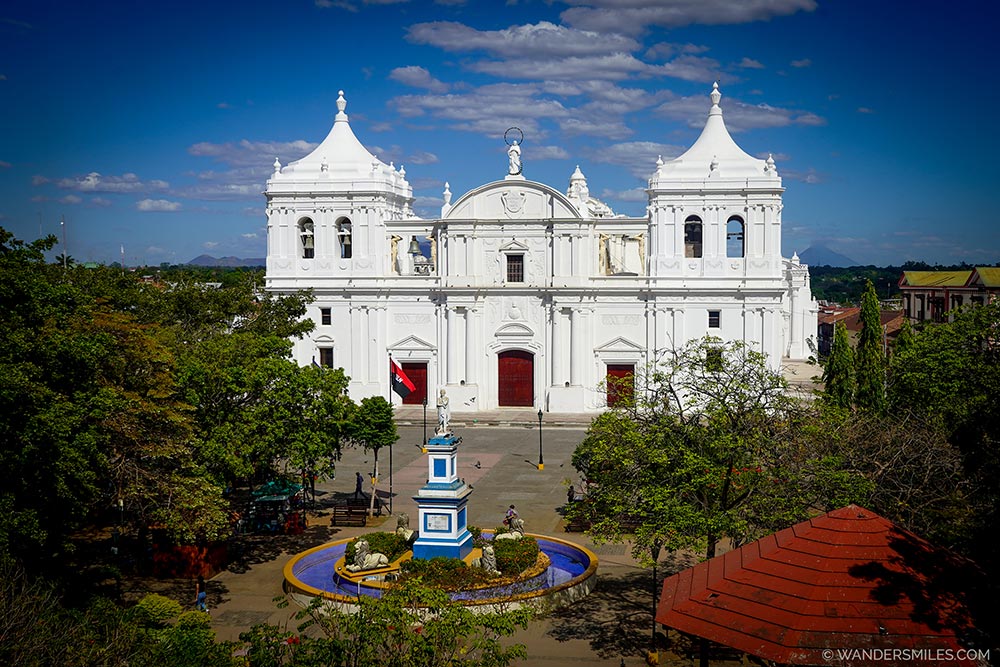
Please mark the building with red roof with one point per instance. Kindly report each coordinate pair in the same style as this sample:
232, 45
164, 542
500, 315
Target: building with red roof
845, 588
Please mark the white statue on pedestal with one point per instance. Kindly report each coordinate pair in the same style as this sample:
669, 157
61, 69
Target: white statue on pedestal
444, 413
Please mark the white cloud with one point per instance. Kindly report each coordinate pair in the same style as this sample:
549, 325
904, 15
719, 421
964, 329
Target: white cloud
616, 66
38, 179
489, 110
600, 127
810, 175
95, 182
633, 17
805, 62
250, 235
638, 156
157, 205
69, 199
865, 110
221, 191
547, 153
666, 49
246, 153
738, 115
778, 157
209, 245
418, 77
223, 105
693, 68
633, 195
100, 201
520, 41
422, 157
750, 63
352, 6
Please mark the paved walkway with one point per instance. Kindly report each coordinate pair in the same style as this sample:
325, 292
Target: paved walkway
611, 625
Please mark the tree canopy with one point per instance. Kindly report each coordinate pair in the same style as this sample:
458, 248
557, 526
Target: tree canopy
149, 396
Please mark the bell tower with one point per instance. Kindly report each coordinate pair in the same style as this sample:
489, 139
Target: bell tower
326, 212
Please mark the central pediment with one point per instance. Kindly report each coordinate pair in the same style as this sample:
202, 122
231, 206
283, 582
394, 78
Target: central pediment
512, 200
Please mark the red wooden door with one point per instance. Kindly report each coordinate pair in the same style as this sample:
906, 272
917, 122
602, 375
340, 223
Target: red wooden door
417, 372
516, 378
620, 382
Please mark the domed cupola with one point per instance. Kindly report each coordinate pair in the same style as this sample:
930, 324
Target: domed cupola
341, 162
714, 156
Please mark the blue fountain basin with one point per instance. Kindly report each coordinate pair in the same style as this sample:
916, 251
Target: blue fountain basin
569, 576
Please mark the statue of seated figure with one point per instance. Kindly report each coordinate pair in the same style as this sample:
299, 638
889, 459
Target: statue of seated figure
403, 528
365, 560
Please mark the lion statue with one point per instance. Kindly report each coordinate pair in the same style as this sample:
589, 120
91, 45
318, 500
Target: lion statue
365, 560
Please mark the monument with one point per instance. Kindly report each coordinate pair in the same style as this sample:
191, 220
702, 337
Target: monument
441, 502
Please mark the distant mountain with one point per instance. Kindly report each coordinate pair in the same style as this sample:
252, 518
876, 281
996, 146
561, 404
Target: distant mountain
208, 260
820, 255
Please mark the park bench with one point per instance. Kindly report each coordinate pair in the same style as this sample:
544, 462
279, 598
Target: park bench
577, 525
363, 503
348, 515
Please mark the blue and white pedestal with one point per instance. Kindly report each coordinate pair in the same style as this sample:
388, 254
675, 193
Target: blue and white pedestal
441, 504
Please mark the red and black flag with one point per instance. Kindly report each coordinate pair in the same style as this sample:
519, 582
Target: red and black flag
398, 380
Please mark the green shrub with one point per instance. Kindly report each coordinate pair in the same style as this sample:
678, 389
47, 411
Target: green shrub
156, 610
515, 556
450, 574
390, 544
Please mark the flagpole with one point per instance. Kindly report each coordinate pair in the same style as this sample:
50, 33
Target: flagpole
390, 444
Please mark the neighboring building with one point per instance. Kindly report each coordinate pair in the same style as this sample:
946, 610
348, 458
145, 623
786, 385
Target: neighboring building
892, 321
520, 295
928, 296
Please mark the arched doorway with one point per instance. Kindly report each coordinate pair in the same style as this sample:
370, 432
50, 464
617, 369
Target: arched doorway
516, 378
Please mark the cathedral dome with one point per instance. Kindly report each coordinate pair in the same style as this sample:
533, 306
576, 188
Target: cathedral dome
714, 155
340, 153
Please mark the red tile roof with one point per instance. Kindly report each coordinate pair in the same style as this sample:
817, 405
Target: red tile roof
848, 579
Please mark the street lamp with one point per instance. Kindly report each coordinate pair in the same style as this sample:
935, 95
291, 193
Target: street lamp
424, 446
541, 462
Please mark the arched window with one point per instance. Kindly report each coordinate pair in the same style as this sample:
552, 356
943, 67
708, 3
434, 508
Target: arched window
692, 236
735, 246
307, 238
344, 237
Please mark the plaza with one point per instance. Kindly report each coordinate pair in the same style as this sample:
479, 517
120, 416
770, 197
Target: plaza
499, 462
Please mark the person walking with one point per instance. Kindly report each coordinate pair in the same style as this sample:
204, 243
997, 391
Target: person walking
358, 485
201, 594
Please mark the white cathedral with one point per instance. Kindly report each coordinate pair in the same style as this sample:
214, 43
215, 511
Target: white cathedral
519, 295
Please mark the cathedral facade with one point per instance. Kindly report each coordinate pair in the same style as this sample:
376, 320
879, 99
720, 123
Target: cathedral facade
521, 295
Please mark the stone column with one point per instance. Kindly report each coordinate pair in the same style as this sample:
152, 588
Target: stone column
471, 347
357, 365
452, 344
556, 346
575, 346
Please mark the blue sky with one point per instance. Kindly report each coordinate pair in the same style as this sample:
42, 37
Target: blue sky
153, 126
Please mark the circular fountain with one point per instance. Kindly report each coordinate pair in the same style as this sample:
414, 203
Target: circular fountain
320, 572
565, 571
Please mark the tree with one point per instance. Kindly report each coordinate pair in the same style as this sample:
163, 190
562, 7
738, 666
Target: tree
690, 453
373, 427
905, 339
838, 373
950, 376
870, 358
411, 625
